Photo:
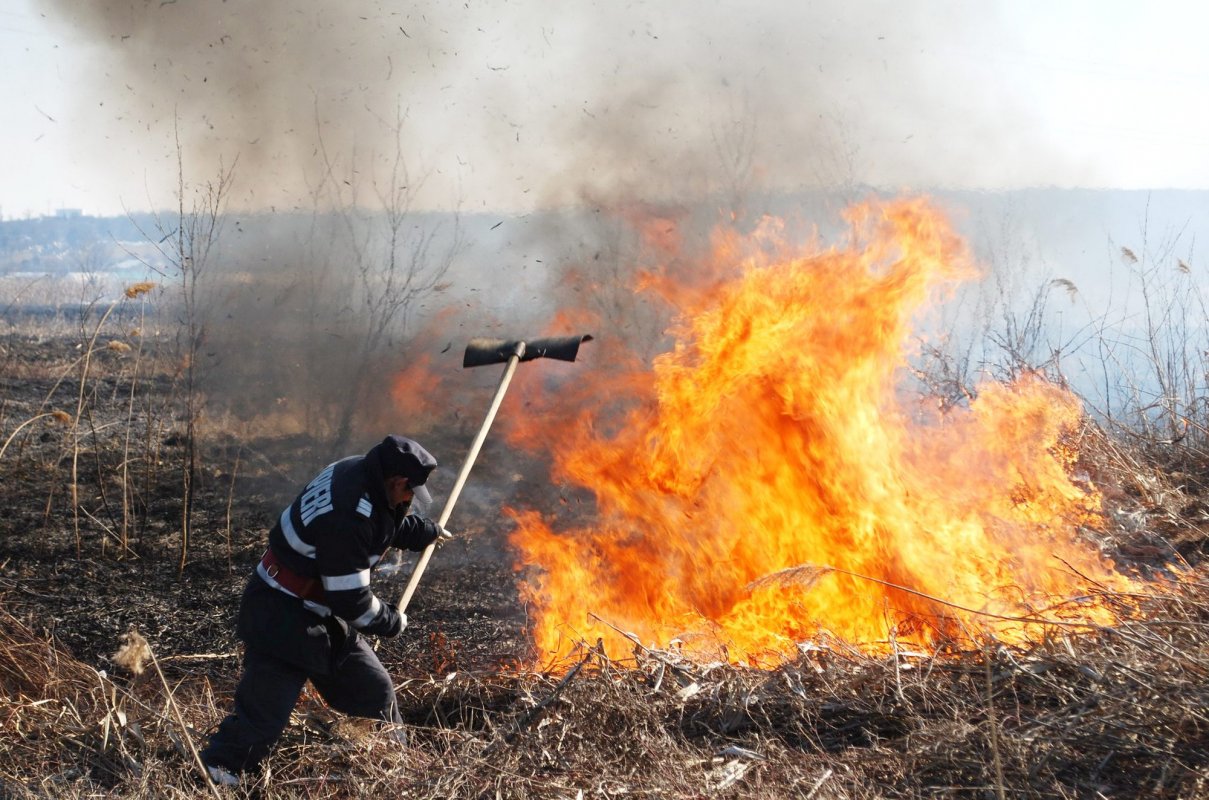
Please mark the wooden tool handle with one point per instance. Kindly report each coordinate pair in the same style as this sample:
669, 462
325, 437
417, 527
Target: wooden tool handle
465, 471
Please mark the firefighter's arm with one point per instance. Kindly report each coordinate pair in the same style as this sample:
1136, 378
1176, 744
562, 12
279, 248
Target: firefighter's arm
343, 556
416, 533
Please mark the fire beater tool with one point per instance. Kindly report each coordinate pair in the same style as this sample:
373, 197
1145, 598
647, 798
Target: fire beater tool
479, 353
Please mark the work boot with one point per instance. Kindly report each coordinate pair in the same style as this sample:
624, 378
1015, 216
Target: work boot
221, 776
395, 731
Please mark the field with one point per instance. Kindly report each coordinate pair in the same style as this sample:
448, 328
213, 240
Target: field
117, 653
885, 474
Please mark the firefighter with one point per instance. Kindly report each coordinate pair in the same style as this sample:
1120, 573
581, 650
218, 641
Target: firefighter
307, 607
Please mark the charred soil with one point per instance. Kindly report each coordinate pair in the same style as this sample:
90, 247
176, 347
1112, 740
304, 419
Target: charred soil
91, 549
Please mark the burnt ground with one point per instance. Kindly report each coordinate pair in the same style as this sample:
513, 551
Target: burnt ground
67, 572
1108, 713
70, 575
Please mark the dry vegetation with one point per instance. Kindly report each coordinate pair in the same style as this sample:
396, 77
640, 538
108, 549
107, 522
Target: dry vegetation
91, 422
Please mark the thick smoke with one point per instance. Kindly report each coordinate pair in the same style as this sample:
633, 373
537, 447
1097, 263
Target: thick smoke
517, 105
270, 84
333, 114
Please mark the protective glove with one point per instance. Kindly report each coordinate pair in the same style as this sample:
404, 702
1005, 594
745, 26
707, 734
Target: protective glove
387, 625
435, 534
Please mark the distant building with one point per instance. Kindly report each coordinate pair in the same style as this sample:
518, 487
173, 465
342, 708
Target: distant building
68, 213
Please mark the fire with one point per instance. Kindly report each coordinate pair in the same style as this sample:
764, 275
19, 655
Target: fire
420, 405
767, 483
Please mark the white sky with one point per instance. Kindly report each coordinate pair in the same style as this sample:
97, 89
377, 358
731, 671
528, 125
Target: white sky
511, 105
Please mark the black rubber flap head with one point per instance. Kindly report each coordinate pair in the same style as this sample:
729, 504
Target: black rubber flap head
481, 352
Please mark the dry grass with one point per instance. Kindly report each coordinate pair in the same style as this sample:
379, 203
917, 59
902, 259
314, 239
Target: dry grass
1115, 713
1119, 713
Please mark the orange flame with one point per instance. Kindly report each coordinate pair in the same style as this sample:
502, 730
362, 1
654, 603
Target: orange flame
766, 487
411, 389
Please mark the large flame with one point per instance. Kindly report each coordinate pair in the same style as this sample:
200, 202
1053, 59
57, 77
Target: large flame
767, 485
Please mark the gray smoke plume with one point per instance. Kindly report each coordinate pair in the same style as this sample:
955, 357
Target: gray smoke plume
517, 105
271, 84
342, 112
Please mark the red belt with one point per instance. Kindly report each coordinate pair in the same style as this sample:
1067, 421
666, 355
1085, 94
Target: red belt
310, 588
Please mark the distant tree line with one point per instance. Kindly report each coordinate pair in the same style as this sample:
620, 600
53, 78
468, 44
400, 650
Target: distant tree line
64, 244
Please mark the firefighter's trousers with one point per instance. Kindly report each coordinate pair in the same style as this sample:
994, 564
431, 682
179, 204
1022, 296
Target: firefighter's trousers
285, 647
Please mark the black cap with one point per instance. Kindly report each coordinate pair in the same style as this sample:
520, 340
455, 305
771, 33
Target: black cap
399, 455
